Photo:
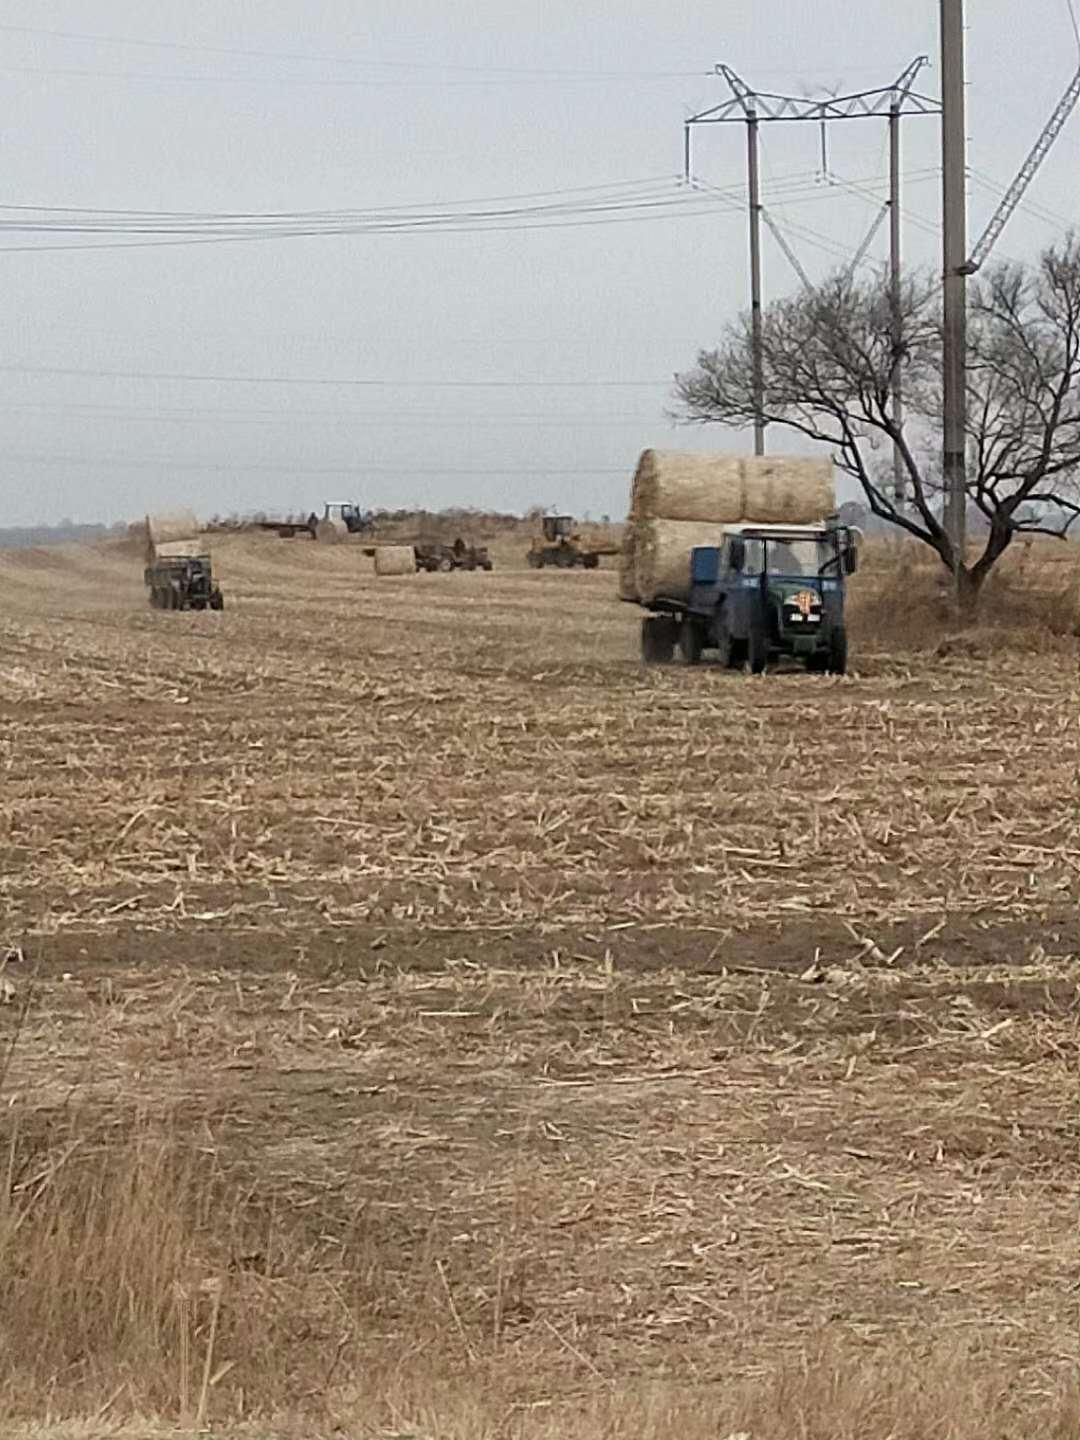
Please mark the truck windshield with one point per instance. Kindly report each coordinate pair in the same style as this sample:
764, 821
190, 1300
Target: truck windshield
793, 556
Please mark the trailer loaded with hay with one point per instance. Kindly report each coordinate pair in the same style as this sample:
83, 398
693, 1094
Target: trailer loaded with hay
738, 555
178, 572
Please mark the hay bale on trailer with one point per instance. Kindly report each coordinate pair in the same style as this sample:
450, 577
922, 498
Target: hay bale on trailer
787, 490
673, 485
628, 565
395, 560
168, 528
662, 555
680, 501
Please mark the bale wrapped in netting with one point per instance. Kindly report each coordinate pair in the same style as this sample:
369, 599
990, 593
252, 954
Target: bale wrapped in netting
662, 559
674, 485
395, 560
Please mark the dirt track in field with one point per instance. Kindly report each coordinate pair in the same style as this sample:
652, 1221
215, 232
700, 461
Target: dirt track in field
678, 1015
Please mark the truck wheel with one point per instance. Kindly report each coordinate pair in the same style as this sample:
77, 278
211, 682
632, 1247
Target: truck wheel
445, 566
757, 648
690, 641
732, 652
591, 562
658, 640
837, 664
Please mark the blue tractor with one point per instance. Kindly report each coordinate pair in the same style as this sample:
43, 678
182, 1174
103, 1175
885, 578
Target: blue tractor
762, 592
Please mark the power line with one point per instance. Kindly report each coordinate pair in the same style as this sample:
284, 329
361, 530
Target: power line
1032, 207
609, 203
443, 82
1075, 25
638, 183
587, 198
681, 205
322, 381
355, 420
356, 467
348, 60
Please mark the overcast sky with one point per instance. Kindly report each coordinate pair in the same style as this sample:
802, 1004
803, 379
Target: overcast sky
259, 106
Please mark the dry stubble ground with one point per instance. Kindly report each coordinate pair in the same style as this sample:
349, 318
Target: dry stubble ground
501, 1035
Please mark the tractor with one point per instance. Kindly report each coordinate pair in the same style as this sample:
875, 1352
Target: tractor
562, 546
459, 556
182, 582
761, 592
347, 513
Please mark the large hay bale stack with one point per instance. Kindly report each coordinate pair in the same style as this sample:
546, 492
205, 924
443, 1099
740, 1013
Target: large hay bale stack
680, 501
395, 560
662, 555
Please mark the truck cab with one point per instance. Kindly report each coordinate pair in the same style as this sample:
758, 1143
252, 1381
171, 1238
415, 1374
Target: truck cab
349, 513
763, 591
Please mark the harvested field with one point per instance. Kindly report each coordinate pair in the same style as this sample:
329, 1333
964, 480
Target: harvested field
421, 1020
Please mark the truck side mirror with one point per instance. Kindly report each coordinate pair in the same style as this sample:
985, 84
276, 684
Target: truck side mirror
737, 555
851, 560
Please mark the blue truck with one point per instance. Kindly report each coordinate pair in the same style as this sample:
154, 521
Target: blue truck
761, 592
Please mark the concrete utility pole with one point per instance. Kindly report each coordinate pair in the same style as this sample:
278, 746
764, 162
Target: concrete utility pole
954, 209
895, 260
754, 176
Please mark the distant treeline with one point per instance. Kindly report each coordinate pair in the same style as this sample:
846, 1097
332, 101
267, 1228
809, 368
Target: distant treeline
18, 537
464, 516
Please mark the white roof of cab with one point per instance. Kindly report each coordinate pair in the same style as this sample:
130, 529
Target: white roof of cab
795, 531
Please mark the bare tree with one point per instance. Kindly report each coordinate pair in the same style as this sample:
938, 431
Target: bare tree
830, 355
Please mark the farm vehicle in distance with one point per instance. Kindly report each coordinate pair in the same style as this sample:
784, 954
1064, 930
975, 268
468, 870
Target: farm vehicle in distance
459, 556
561, 545
338, 515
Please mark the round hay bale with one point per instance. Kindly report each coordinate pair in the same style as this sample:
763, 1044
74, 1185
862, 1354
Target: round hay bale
771, 490
628, 565
677, 485
663, 555
331, 532
174, 525
395, 560
787, 490
682, 500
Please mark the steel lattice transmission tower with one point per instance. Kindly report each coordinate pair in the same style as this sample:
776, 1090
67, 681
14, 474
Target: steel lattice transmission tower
756, 107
